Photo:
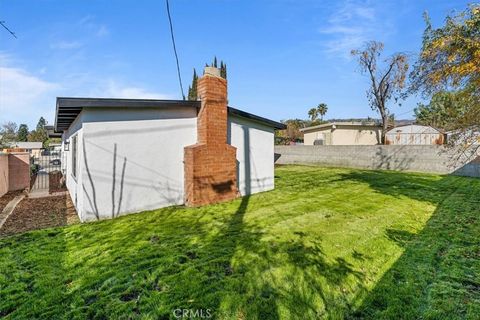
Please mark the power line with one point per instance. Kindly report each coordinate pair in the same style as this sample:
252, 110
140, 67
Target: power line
396, 115
10, 31
175, 49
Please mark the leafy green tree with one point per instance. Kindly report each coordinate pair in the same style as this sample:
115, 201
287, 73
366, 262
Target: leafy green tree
448, 71
292, 133
322, 110
450, 55
22, 134
41, 123
442, 109
40, 133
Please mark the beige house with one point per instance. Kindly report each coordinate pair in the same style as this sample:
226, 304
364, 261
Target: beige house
34, 148
343, 133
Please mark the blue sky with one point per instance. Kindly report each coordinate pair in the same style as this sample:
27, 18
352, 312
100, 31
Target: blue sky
283, 56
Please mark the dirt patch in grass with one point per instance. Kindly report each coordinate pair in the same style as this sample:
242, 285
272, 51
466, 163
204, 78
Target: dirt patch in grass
6, 198
40, 213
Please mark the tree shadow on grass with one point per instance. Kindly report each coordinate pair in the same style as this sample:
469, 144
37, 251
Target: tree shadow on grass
437, 275
275, 278
222, 258
226, 265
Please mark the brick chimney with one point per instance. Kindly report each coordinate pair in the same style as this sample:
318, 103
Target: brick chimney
211, 163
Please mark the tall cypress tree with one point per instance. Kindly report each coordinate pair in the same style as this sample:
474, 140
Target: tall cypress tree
22, 134
192, 90
223, 70
215, 62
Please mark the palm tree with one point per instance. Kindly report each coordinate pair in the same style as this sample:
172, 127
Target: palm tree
313, 114
322, 110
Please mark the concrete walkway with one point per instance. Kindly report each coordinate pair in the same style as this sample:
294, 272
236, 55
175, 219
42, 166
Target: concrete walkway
41, 186
7, 211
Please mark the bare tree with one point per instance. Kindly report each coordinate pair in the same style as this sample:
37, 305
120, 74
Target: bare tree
8, 133
387, 81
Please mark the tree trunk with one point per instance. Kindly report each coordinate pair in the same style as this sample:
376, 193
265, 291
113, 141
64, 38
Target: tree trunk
384, 129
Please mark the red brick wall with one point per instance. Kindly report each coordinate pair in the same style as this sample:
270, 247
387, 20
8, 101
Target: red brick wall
211, 164
19, 171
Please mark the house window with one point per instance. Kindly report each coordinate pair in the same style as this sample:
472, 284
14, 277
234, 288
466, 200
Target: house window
74, 156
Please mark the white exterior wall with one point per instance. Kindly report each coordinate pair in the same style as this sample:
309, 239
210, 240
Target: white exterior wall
255, 155
74, 185
131, 160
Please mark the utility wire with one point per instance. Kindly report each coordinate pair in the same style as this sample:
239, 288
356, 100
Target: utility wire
396, 115
10, 31
175, 49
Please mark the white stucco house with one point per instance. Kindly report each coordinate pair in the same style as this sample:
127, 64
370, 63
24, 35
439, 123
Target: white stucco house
414, 134
129, 155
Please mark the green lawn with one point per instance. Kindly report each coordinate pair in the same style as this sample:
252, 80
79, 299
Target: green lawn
326, 243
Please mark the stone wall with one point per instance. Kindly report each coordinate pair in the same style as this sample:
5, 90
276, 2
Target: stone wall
420, 158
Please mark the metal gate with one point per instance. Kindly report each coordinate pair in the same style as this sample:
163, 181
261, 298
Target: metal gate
46, 171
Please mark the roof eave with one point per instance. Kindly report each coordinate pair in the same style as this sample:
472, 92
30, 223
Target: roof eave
73, 106
276, 125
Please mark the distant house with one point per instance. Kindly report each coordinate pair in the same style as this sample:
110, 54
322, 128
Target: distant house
34, 148
343, 133
415, 134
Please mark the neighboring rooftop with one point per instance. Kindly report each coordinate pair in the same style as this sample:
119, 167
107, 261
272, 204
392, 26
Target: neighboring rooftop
27, 145
68, 109
346, 123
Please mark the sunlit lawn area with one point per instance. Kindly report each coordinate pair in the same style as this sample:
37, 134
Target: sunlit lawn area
326, 243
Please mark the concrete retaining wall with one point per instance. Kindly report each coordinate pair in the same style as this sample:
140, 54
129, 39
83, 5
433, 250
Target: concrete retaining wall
14, 171
421, 158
